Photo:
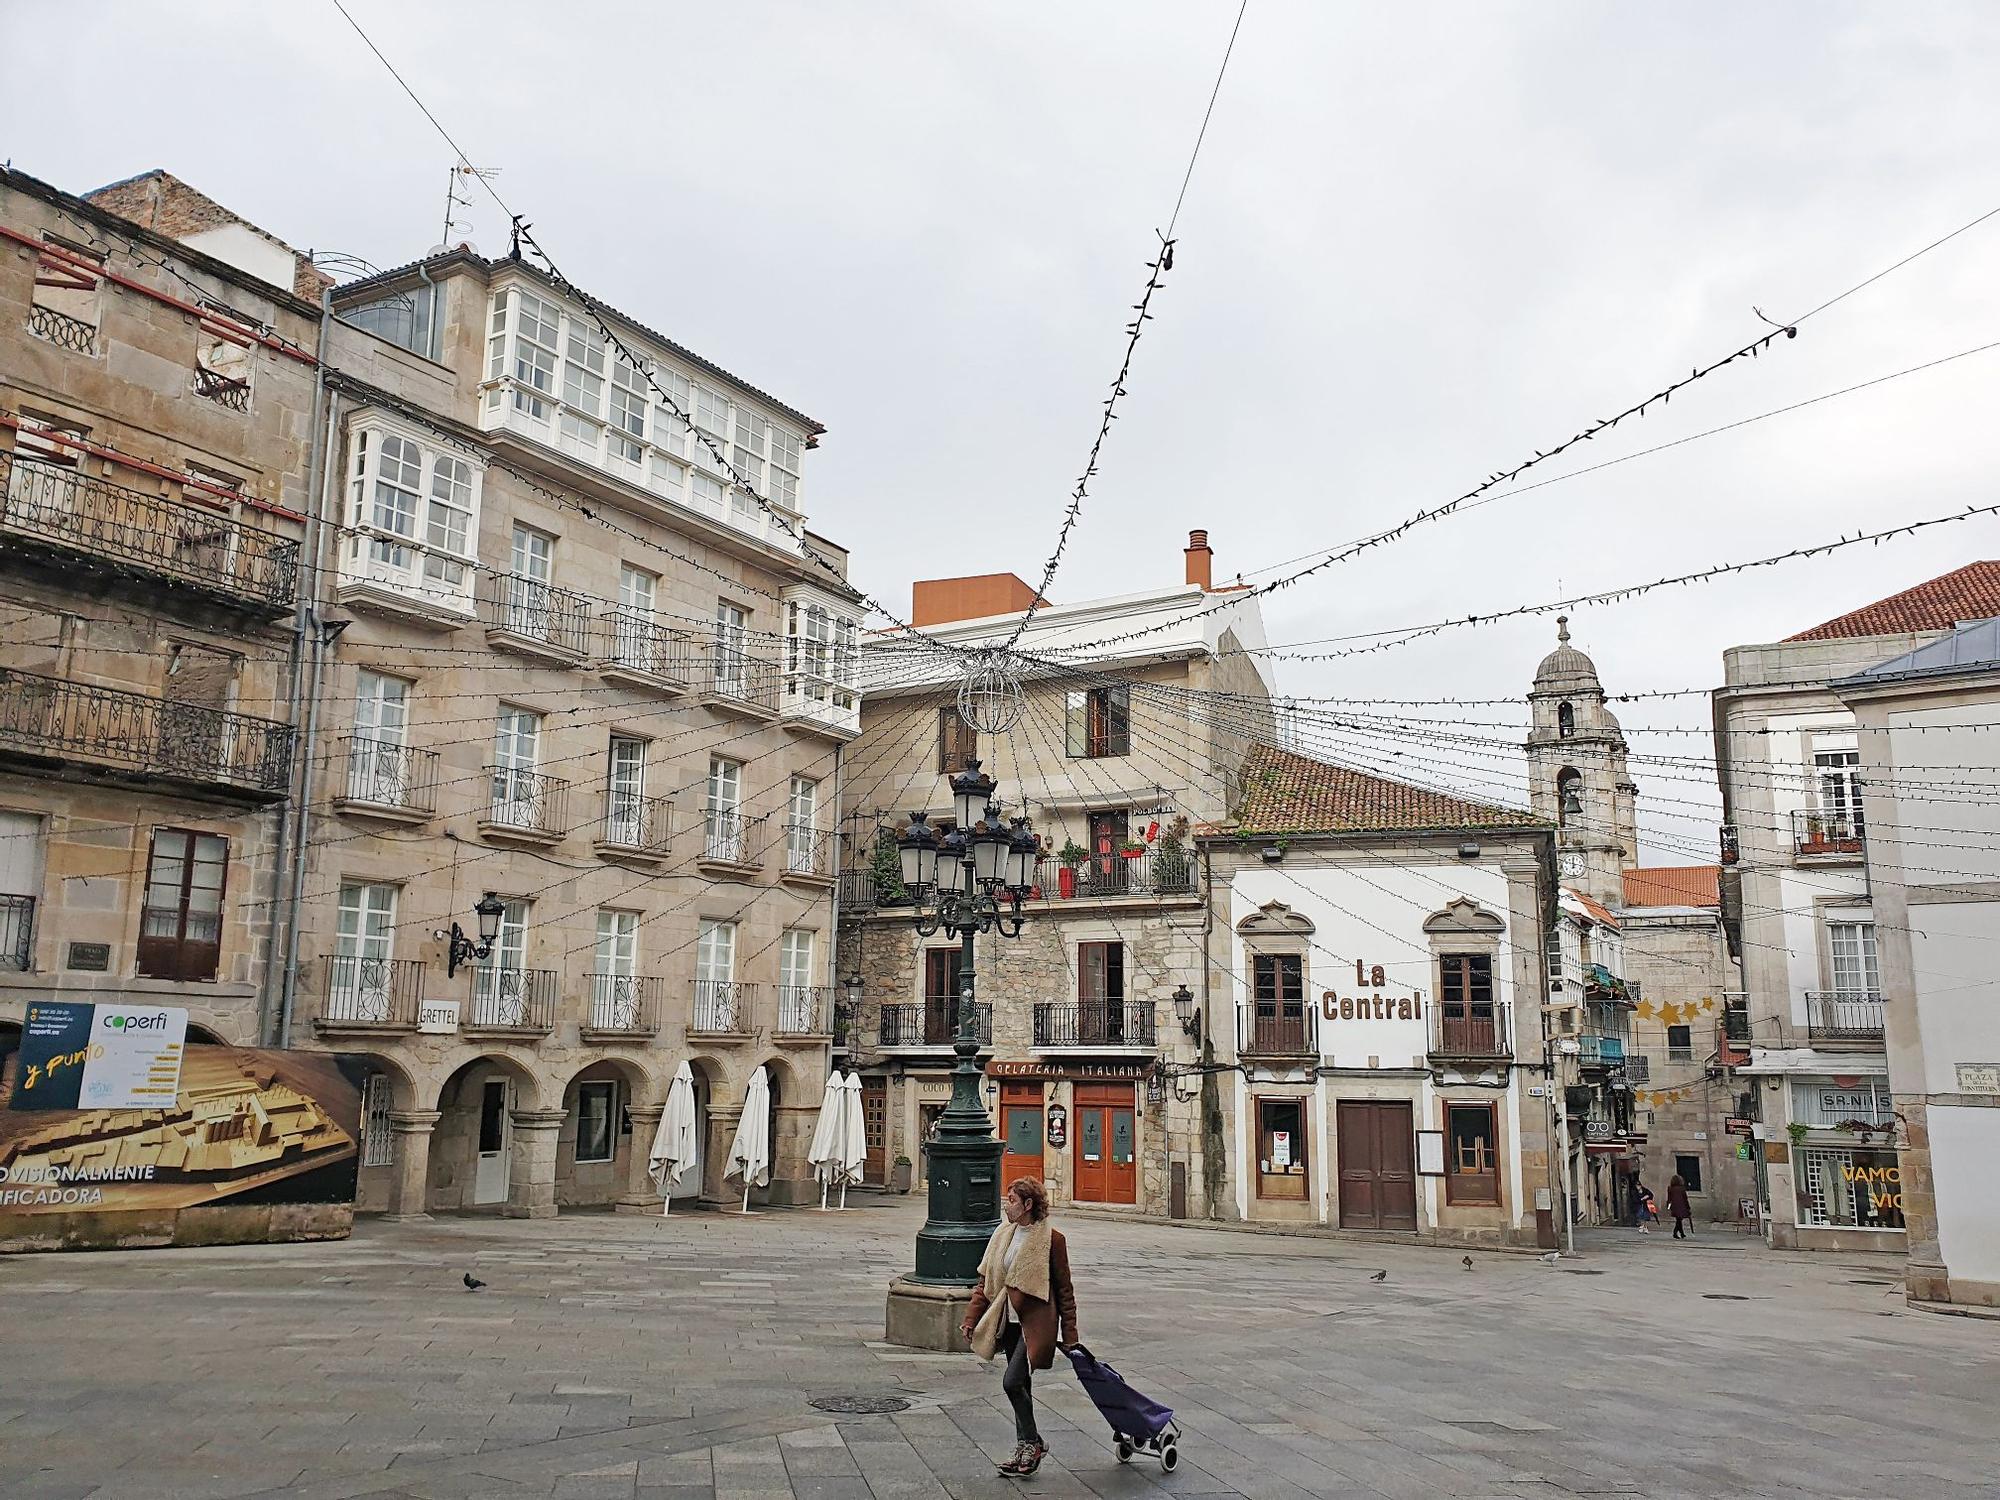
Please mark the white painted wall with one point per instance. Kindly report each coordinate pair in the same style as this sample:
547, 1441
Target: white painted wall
1964, 1143
240, 246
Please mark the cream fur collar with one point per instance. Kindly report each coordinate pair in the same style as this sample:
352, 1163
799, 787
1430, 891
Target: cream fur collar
1029, 1275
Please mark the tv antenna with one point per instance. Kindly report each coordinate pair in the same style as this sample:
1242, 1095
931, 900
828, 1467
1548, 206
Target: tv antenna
461, 175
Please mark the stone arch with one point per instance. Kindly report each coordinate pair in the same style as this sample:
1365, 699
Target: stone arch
599, 1144
403, 1091
1569, 788
527, 1085
477, 1158
203, 1036
1565, 719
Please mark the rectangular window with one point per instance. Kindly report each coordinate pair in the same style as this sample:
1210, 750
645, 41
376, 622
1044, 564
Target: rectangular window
625, 792
1839, 786
1848, 1188
941, 982
706, 493
64, 305
958, 742
1822, 1104
393, 499
1680, 1044
1853, 948
583, 368
517, 748
1098, 722
1471, 1154
413, 501
723, 830
802, 835
536, 331
1465, 1003
715, 952
618, 943
1278, 999
360, 986
749, 455
669, 429
180, 925
1688, 1169
596, 1106
711, 417
784, 477
1100, 993
795, 958
381, 708
222, 368
448, 521
628, 412
401, 318
1281, 1149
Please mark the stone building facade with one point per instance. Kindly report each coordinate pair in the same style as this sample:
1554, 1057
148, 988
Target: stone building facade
157, 408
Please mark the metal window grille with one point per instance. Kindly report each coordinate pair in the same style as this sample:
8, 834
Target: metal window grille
376, 1150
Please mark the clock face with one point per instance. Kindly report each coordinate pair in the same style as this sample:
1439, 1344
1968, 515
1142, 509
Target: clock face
1571, 864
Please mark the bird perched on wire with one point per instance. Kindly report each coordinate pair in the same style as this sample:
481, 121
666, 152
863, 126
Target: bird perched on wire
1466, 1262
472, 1283
1379, 1276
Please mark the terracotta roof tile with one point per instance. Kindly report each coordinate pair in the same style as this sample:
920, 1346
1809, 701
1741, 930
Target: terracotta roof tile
1288, 793
1955, 598
1599, 912
1674, 885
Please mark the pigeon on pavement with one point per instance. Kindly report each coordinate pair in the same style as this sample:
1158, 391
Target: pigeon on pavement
1552, 1257
472, 1283
1379, 1276
1466, 1262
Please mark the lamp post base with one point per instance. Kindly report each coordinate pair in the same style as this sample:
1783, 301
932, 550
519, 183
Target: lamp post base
925, 1315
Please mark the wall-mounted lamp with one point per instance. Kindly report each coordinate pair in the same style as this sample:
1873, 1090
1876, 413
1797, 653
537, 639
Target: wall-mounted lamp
1271, 854
1187, 1015
461, 949
1468, 850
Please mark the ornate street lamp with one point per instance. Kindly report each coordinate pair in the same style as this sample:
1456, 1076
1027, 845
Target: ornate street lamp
1187, 1015
972, 881
460, 948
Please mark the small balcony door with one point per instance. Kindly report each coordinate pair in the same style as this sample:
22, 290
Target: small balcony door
614, 1003
1278, 1021
1466, 1004
1109, 833
796, 1011
180, 927
941, 979
1100, 980
379, 769
363, 946
1839, 775
802, 827
517, 751
625, 790
715, 977
723, 818
732, 631
499, 985
632, 644
534, 563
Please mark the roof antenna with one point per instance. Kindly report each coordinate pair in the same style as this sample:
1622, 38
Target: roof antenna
452, 202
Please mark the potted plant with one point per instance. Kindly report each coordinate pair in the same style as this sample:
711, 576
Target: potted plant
899, 1177
1132, 849
1070, 856
1170, 857
886, 865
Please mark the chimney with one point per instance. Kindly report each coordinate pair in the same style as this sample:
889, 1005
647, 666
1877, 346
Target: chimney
1199, 559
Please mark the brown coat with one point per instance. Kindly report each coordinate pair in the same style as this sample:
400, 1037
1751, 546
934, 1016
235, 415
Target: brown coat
1039, 1318
1677, 1200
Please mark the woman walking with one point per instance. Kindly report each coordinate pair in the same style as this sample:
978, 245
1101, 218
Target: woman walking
1643, 1207
1024, 1293
1677, 1205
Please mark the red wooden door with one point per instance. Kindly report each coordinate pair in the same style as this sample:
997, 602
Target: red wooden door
1107, 1157
1376, 1143
1020, 1131
875, 1129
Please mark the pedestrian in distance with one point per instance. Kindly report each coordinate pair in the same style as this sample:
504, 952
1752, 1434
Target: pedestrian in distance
1644, 1208
1677, 1205
1023, 1307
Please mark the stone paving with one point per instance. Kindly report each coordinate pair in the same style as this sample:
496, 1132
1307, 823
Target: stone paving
631, 1358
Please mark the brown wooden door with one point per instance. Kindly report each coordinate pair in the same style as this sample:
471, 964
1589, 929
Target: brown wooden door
940, 996
875, 1129
1377, 1145
1106, 1138
1020, 1131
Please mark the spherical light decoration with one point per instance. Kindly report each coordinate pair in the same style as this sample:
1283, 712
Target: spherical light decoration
989, 695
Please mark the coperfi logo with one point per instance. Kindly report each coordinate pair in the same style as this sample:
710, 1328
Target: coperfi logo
155, 1022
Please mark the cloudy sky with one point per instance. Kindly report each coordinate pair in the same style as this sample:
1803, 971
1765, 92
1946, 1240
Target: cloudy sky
1420, 244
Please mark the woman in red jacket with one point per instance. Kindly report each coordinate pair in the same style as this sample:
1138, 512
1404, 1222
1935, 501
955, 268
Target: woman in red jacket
1023, 1307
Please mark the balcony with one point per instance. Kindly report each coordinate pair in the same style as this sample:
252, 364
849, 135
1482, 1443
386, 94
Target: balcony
808, 855
641, 652
1638, 1069
1487, 1032
861, 892
1828, 837
383, 574
227, 391
1152, 873
805, 1012
370, 994
731, 844
1095, 1026
17, 933
76, 520
138, 740
512, 1002
622, 1007
1844, 1015
60, 329
1595, 1049
1264, 1030
635, 828
525, 807
386, 780
931, 1026
735, 682
722, 1009
822, 705
535, 619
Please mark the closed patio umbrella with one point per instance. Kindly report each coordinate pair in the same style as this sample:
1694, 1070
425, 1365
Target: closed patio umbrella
824, 1157
675, 1147
853, 1134
750, 1152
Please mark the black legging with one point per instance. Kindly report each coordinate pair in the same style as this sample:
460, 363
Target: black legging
1018, 1383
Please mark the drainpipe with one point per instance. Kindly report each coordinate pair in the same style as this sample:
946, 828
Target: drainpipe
833, 901
1210, 1128
288, 991
306, 581
434, 345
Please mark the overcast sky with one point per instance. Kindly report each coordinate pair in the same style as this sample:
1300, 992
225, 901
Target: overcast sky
1419, 245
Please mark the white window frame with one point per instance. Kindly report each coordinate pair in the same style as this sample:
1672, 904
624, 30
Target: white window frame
715, 951
431, 549
625, 789
1860, 960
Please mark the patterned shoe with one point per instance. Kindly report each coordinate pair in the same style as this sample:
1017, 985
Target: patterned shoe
1013, 1465
1031, 1460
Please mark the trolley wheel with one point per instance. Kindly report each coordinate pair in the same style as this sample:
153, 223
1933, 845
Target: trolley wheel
1125, 1450
1170, 1456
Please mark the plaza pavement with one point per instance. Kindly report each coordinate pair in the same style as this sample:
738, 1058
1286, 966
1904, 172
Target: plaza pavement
648, 1359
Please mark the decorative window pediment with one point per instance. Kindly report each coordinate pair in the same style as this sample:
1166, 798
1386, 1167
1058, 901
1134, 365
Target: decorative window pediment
1275, 919
1464, 916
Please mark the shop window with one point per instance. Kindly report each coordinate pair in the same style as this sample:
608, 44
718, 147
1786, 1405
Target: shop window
1472, 1157
1688, 1169
596, 1109
1847, 1188
1281, 1149
180, 927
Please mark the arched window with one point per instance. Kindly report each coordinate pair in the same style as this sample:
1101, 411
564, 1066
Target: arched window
1565, 720
1569, 793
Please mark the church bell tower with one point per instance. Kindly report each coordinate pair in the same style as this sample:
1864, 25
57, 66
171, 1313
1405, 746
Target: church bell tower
1576, 773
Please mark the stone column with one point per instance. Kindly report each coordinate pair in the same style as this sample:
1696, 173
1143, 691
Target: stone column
640, 1196
410, 1162
531, 1166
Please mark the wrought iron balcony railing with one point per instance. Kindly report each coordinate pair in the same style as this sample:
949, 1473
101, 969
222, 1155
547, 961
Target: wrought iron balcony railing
371, 992
1095, 1023
1638, 1068
732, 678
143, 737
933, 1024
804, 1009
808, 852
1483, 1031
17, 933
1267, 1030
1149, 872
58, 510
636, 825
528, 614
637, 644
1824, 834
505, 999
722, 1007
527, 803
383, 774
730, 838
224, 390
1837, 1014
624, 1003
61, 329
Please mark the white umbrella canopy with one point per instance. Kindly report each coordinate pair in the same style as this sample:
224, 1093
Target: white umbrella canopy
853, 1131
750, 1152
824, 1155
675, 1147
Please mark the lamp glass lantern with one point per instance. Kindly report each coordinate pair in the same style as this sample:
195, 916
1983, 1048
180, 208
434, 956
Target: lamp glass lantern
917, 852
490, 909
971, 790
1022, 849
991, 844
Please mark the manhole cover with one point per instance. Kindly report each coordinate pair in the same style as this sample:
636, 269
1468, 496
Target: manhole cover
865, 1406
1723, 1297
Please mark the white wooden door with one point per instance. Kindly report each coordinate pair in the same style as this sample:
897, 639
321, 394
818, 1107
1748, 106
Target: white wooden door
489, 1182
